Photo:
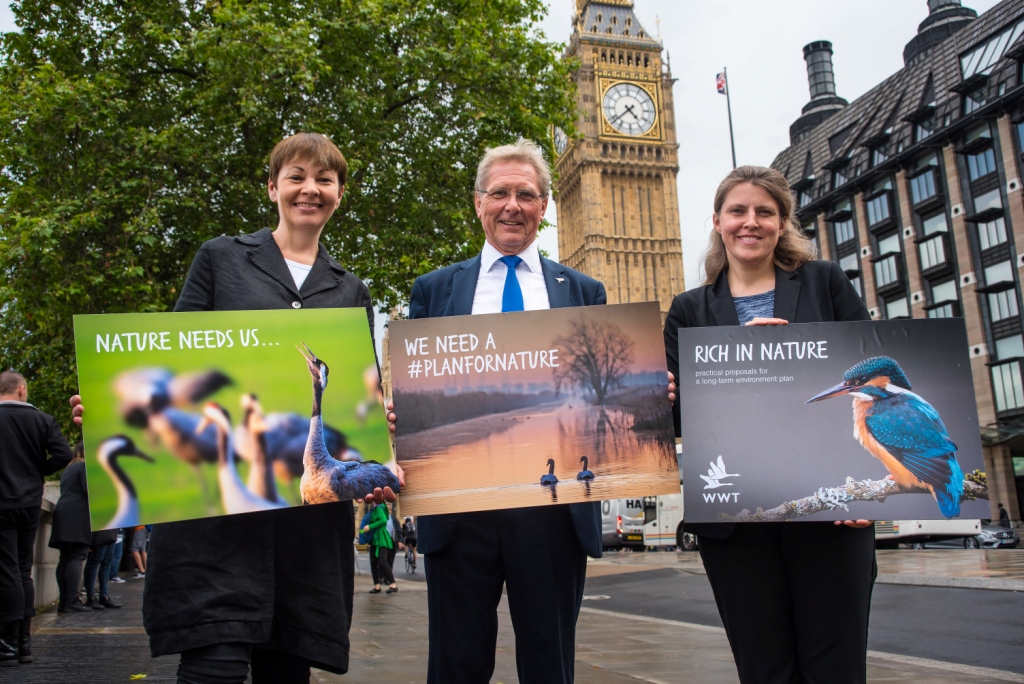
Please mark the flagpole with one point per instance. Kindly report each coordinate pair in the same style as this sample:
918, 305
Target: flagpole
728, 105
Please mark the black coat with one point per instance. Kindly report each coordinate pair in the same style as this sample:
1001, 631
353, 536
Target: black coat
71, 515
27, 435
283, 578
816, 292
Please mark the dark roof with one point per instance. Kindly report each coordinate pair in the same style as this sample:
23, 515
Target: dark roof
884, 115
615, 24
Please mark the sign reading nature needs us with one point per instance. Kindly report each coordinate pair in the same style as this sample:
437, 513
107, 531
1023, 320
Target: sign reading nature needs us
192, 415
531, 408
830, 421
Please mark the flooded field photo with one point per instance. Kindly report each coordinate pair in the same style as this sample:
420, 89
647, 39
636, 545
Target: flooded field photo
497, 427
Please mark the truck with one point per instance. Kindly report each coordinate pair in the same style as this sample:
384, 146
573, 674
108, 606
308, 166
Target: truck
889, 534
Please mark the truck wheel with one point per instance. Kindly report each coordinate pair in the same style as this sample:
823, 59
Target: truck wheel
685, 540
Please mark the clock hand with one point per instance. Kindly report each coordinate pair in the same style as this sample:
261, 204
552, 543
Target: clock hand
617, 117
629, 108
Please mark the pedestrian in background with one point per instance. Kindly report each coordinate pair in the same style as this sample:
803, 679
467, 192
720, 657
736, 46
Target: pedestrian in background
1004, 517
115, 560
98, 567
31, 447
70, 533
139, 553
409, 532
382, 544
397, 538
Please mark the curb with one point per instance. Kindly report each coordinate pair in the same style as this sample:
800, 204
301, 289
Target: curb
991, 583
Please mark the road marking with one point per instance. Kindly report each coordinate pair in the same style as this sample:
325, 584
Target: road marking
91, 630
1001, 675
975, 670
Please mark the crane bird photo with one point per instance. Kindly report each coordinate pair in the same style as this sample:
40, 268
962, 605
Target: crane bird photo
111, 449
325, 478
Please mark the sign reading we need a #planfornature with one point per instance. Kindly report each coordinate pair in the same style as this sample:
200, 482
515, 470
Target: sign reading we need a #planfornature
871, 420
532, 408
191, 415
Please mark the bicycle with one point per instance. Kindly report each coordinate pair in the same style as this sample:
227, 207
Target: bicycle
410, 561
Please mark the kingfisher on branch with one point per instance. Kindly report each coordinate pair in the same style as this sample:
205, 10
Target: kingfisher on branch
901, 430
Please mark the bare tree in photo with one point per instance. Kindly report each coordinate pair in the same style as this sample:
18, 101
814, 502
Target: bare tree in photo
594, 356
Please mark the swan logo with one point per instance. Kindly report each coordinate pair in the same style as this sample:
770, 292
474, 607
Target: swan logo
716, 474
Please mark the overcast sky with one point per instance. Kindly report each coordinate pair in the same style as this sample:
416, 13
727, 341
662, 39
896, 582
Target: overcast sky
761, 44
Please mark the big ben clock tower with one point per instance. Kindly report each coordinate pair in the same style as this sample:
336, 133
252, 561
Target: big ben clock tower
618, 212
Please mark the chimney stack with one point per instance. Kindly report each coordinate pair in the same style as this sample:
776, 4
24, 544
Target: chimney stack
822, 80
945, 17
818, 56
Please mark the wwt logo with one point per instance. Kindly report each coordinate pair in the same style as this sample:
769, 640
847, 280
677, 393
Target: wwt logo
717, 473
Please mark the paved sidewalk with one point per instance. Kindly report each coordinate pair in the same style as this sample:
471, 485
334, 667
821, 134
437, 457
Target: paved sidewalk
389, 635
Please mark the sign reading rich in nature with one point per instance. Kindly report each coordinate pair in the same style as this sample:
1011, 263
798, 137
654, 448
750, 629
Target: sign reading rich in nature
830, 421
524, 409
191, 415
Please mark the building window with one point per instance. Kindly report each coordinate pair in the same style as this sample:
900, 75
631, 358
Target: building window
992, 233
897, 308
1010, 348
804, 198
988, 200
878, 209
878, 156
924, 128
946, 310
922, 186
999, 273
855, 281
934, 224
981, 164
1007, 386
889, 245
974, 100
1002, 305
887, 271
1020, 124
844, 231
933, 252
983, 57
838, 178
850, 263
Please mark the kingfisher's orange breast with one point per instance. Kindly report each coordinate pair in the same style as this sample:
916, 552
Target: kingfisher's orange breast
899, 472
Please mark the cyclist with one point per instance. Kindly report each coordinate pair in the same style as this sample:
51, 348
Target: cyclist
409, 530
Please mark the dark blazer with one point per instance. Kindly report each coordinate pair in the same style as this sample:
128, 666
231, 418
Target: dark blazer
71, 514
31, 447
279, 578
449, 292
816, 292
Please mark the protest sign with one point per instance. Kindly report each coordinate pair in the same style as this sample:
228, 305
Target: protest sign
531, 408
190, 415
830, 421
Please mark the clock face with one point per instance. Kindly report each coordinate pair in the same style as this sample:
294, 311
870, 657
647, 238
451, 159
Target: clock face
561, 140
629, 109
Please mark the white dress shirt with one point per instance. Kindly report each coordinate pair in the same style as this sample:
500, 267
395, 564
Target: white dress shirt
490, 286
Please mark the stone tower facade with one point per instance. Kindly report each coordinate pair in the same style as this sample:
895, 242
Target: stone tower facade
618, 210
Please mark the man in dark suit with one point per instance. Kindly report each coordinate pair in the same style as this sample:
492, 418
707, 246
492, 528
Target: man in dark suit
539, 554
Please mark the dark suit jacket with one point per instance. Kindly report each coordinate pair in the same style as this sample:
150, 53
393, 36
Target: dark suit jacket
816, 292
449, 292
31, 447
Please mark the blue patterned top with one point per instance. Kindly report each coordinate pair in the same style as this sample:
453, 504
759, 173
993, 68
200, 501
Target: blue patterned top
759, 305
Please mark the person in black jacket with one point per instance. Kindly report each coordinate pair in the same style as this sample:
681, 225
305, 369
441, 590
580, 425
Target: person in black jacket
794, 597
31, 447
271, 589
71, 534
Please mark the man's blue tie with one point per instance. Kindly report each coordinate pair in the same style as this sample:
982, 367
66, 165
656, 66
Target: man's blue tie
512, 296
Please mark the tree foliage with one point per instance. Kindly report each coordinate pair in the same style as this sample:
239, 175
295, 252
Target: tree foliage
595, 357
132, 131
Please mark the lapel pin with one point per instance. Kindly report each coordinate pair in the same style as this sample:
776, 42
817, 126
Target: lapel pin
561, 280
